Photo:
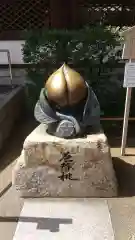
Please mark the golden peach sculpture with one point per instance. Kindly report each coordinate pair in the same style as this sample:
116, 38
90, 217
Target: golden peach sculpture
67, 104
66, 87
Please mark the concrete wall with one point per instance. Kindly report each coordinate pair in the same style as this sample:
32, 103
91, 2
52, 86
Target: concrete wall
15, 51
11, 109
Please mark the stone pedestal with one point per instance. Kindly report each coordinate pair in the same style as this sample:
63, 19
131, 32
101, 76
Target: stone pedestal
55, 167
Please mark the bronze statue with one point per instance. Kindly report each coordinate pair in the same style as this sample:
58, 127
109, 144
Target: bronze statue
68, 105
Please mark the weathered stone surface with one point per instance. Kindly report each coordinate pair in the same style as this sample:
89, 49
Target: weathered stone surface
44, 158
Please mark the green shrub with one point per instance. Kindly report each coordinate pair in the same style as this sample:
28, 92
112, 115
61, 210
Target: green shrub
93, 51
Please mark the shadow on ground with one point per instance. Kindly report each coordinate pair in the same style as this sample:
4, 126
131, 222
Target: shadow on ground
51, 224
125, 174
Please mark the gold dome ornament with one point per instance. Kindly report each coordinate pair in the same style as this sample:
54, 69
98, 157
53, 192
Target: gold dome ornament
65, 87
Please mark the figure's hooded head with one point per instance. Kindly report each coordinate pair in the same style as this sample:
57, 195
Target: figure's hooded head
65, 87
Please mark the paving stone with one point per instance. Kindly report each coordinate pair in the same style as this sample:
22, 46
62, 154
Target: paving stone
64, 219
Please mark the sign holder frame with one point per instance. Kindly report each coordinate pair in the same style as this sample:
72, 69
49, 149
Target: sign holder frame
126, 115
128, 54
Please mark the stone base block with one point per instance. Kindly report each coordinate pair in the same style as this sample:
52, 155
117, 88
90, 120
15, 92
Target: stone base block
54, 167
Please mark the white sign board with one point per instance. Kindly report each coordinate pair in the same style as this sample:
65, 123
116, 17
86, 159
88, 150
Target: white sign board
129, 76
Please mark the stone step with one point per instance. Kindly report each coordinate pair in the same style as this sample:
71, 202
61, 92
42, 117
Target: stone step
15, 80
15, 72
121, 211
81, 219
